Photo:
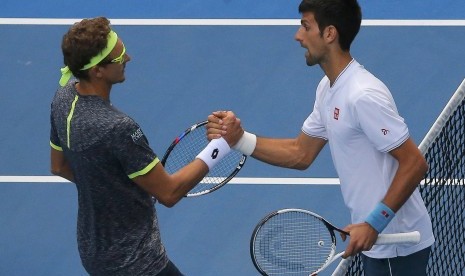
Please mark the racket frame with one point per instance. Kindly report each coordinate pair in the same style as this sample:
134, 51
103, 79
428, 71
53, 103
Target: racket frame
411, 237
331, 228
184, 134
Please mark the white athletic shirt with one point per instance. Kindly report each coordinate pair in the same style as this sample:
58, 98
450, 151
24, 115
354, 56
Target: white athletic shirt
359, 118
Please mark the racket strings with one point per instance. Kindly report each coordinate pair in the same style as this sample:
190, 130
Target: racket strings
186, 151
292, 243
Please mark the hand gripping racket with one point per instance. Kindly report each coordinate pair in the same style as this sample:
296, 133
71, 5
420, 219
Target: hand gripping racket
301, 243
185, 148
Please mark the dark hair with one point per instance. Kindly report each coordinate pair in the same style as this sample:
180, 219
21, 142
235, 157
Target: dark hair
344, 15
82, 42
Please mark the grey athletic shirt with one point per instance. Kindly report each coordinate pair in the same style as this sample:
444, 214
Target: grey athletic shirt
117, 228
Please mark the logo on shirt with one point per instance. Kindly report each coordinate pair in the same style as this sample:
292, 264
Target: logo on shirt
336, 113
136, 135
384, 131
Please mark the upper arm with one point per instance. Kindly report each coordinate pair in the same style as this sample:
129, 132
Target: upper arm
59, 165
310, 147
409, 157
57, 160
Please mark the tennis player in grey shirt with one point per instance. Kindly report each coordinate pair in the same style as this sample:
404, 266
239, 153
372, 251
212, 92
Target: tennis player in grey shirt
106, 154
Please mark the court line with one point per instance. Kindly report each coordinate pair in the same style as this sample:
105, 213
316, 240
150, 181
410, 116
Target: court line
224, 22
236, 180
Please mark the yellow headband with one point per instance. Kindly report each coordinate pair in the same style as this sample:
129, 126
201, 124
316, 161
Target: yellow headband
112, 39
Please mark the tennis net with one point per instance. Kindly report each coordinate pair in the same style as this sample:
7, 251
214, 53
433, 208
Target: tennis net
443, 189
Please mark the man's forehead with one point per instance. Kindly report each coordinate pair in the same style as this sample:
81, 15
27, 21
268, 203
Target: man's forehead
307, 17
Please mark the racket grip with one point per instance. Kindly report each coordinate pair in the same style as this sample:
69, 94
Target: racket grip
342, 267
410, 237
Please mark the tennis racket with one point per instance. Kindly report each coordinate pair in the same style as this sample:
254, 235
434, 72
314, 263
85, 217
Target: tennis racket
185, 148
301, 243
342, 267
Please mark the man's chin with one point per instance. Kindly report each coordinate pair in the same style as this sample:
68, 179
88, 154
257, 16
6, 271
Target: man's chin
310, 63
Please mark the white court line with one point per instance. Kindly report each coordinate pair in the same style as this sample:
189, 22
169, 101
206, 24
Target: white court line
236, 180
225, 22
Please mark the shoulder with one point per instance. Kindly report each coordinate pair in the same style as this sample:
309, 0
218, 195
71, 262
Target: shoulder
363, 86
365, 80
64, 96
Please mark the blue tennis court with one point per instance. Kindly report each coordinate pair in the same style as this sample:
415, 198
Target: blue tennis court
178, 74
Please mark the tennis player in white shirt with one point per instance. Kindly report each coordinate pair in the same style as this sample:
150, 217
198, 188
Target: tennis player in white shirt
378, 164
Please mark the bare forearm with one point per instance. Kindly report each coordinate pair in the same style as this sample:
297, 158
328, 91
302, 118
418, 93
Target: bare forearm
404, 184
277, 152
298, 153
188, 177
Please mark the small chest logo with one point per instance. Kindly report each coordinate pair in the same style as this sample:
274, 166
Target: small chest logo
385, 131
336, 113
137, 134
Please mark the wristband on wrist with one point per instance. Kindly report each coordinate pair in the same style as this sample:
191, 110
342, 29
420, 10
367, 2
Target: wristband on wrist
214, 152
380, 217
246, 144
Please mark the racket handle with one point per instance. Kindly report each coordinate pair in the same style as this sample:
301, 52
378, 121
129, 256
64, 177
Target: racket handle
342, 267
410, 237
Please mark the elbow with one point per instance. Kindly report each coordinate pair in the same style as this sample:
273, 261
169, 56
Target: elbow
424, 167
303, 163
53, 171
168, 200
56, 171
419, 170
168, 204
302, 166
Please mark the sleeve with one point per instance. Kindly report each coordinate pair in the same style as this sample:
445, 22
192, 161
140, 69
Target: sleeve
314, 125
54, 140
380, 121
132, 149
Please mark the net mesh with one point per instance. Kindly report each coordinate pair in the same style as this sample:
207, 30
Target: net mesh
443, 191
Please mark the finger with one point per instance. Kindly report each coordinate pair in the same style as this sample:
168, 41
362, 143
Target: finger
213, 136
214, 119
347, 253
220, 114
213, 128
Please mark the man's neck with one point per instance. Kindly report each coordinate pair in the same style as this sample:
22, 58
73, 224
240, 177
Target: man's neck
335, 65
86, 88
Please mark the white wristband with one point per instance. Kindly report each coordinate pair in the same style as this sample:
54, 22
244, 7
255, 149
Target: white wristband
246, 144
214, 152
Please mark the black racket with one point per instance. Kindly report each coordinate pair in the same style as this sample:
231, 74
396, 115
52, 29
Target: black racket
301, 243
185, 148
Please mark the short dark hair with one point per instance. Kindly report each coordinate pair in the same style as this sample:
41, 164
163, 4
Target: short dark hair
344, 15
83, 41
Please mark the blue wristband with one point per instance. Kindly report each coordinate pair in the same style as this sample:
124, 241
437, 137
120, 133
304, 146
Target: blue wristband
380, 217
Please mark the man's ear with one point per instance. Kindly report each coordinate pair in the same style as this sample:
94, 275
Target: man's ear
330, 34
96, 72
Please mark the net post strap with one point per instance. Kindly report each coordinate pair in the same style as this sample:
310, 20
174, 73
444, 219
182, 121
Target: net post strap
438, 125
